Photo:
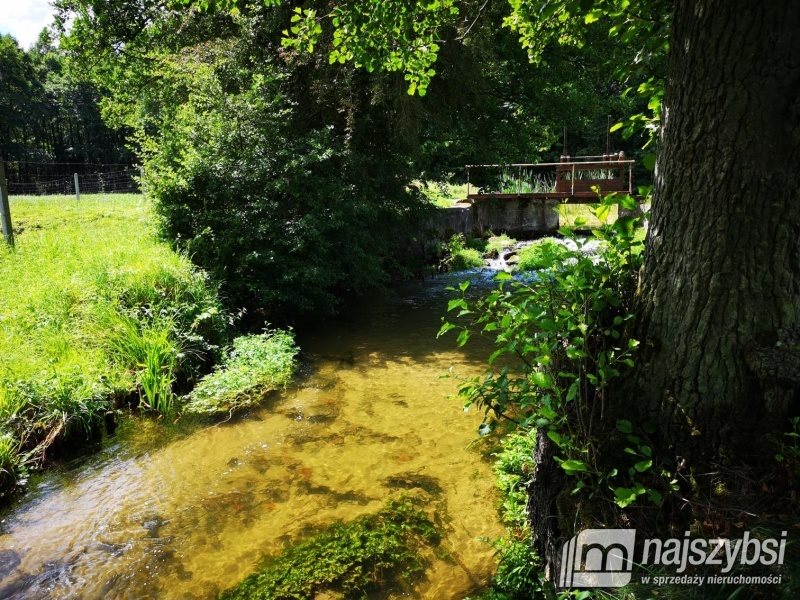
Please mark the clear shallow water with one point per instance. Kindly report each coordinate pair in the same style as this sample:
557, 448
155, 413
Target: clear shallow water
189, 518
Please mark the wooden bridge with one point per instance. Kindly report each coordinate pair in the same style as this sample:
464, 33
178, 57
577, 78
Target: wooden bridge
575, 179
523, 199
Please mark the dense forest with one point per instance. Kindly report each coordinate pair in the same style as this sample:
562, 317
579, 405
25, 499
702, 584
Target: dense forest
642, 362
48, 113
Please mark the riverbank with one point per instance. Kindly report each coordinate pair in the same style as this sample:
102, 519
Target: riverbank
369, 419
95, 314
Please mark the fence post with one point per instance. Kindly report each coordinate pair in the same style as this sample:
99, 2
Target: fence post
77, 188
5, 210
141, 180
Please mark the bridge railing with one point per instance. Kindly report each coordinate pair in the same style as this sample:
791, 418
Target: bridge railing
573, 177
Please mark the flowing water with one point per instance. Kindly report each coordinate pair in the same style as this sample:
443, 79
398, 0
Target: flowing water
371, 416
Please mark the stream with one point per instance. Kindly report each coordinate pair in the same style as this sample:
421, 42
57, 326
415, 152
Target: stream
187, 516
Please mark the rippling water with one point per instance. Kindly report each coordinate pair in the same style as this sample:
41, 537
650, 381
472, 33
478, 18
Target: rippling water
371, 416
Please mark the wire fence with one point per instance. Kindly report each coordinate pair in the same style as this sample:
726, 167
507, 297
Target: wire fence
43, 179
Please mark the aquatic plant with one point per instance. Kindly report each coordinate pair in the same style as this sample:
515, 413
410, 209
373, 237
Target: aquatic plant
349, 559
255, 365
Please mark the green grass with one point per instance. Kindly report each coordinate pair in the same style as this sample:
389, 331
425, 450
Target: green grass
497, 243
441, 193
255, 365
93, 307
350, 560
539, 255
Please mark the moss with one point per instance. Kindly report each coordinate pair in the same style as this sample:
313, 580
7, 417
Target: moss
349, 559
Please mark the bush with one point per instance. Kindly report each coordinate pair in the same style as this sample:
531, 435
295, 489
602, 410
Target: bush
256, 365
541, 255
460, 256
291, 215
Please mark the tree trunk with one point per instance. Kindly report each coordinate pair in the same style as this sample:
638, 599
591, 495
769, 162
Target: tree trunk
545, 486
720, 312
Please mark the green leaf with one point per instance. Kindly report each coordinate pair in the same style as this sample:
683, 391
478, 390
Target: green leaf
626, 496
592, 16
624, 426
643, 466
574, 466
649, 161
655, 497
445, 328
543, 380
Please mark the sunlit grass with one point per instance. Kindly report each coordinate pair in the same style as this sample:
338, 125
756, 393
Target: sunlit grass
87, 282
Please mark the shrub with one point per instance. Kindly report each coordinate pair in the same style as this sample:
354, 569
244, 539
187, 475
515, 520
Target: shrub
256, 365
291, 214
541, 255
349, 559
563, 339
460, 256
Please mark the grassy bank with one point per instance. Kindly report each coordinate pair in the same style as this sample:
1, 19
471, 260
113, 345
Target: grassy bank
94, 311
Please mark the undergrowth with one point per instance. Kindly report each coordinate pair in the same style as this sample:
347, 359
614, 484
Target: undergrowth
541, 254
350, 560
460, 255
256, 364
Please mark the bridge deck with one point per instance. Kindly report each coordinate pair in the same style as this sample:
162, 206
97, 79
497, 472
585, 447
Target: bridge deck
575, 180
565, 197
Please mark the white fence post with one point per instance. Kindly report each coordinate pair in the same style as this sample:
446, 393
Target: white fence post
77, 188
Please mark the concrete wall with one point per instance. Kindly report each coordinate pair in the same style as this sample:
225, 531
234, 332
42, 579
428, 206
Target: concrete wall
521, 218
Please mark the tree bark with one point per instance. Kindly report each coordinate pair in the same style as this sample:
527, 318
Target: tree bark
720, 295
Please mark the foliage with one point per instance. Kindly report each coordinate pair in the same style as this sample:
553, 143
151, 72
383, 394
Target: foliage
150, 351
441, 193
560, 342
497, 243
47, 113
542, 254
350, 559
460, 256
255, 365
517, 575
85, 319
285, 185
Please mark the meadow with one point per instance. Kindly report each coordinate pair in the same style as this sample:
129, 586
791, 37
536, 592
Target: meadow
97, 313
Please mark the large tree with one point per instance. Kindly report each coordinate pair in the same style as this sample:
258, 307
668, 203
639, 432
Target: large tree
719, 310
720, 301
718, 298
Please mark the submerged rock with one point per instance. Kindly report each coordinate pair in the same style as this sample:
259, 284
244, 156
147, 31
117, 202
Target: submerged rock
9, 560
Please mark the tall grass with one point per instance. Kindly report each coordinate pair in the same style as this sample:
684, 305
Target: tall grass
151, 352
93, 306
